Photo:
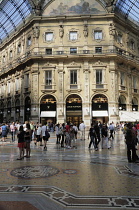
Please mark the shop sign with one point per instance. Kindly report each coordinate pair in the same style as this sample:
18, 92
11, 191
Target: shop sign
73, 106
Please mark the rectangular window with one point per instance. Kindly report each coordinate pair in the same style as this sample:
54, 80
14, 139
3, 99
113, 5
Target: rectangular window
134, 82
98, 35
122, 79
135, 85
9, 87
19, 48
4, 59
49, 36
73, 50
29, 41
73, 35
98, 49
132, 45
119, 38
16, 84
49, 51
73, 79
26, 81
48, 79
99, 79
11, 54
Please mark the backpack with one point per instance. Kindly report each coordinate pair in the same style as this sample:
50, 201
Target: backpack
47, 134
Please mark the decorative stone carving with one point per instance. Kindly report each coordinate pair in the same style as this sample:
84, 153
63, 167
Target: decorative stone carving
38, 6
85, 31
98, 63
61, 31
110, 6
112, 30
36, 31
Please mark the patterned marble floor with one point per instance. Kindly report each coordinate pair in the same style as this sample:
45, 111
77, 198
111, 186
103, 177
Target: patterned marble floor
61, 178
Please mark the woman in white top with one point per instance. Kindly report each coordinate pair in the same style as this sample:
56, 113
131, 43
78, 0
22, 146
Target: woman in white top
39, 134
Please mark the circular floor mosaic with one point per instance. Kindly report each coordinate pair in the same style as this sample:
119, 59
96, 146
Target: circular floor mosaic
34, 171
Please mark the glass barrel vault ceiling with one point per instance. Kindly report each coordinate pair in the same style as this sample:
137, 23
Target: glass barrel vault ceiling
12, 14
129, 9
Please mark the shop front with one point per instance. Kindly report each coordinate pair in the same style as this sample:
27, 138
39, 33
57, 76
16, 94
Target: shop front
74, 109
100, 108
48, 109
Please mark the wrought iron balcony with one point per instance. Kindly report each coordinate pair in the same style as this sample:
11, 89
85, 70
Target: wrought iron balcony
43, 53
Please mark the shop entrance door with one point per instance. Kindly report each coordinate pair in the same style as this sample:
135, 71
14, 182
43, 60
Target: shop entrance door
74, 119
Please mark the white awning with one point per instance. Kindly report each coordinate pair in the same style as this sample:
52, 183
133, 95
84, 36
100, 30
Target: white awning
128, 116
48, 114
100, 113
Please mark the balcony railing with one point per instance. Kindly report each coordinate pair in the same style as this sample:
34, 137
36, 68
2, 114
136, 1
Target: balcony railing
61, 53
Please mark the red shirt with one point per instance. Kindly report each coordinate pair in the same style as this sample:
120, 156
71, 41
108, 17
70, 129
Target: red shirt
137, 126
67, 128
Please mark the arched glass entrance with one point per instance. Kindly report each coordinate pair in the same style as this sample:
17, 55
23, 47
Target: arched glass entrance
74, 109
27, 111
134, 104
100, 108
48, 109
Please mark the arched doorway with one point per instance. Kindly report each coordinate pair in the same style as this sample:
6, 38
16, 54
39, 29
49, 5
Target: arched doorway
122, 103
134, 104
100, 108
1, 112
74, 109
17, 110
27, 109
9, 111
48, 109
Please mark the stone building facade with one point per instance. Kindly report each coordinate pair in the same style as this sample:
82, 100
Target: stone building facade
73, 61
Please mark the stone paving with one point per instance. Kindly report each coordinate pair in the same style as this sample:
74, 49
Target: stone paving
61, 178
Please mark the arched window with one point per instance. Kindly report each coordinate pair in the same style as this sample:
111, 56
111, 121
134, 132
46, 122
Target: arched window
122, 103
134, 104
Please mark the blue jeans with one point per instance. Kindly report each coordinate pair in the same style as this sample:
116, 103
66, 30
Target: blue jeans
13, 135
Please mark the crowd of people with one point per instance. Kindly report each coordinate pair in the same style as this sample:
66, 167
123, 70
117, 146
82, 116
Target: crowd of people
66, 135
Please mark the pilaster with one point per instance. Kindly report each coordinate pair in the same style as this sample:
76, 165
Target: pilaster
60, 102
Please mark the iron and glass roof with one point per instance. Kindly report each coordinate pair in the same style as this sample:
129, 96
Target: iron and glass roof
12, 14
129, 9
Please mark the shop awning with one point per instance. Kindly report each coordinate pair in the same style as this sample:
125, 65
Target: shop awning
48, 113
128, 116
100, 113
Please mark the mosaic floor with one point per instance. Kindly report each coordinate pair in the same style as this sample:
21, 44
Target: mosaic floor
61, 178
